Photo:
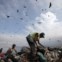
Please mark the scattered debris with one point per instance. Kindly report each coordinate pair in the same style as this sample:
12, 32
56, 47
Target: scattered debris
25, 50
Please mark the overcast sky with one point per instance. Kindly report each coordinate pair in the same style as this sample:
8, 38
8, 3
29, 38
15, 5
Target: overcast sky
18, 18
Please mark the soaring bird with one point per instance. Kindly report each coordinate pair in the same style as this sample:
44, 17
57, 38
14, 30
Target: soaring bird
21, 18
50, 5
39, 22
17, 10
36, 0
24, 6
8, 16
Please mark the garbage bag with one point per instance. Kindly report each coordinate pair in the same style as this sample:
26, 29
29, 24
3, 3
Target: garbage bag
41, 57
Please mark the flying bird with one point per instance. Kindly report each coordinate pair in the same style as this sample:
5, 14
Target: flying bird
21, 18
17, 10
50, 5
39, 22
36, 0
24, 6
42, 10
8, 16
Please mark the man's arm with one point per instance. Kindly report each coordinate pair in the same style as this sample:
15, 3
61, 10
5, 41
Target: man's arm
40, 44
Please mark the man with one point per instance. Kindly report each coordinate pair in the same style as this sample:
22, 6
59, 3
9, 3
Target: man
33, 41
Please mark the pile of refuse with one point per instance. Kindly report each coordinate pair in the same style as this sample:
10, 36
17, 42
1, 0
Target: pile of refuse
52, 55
24, 55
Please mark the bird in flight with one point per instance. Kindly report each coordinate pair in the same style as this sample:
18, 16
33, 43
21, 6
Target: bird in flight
17, 10
8, 16
50, 5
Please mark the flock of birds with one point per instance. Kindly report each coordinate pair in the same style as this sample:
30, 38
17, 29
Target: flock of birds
8, 16
50, 4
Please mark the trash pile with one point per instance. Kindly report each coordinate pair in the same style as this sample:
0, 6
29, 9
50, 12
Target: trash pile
24, 55
52, 55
